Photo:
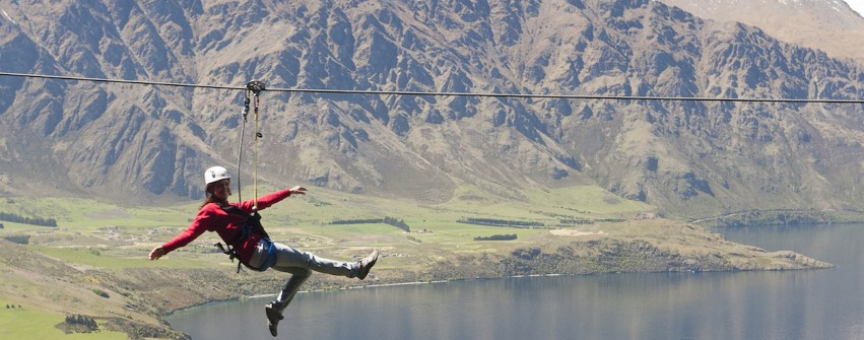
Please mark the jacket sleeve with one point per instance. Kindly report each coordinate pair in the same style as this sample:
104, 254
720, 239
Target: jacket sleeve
195, 229
266, 200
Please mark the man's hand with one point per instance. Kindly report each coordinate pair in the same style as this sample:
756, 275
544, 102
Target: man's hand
156, 253
298, 190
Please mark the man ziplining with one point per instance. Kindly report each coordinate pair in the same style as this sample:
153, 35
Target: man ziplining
238, 224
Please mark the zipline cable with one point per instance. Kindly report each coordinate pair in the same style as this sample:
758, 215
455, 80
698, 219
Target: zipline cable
452, 94
122, 81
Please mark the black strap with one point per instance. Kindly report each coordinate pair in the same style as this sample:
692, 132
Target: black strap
232, 254
251, 224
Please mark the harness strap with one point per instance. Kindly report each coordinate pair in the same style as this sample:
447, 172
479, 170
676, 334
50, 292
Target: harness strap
251, 224
269, 261
232, 254
271, 255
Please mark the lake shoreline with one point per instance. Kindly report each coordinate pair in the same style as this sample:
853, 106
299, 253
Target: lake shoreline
319, 283
143, 296
372, 286
791, 304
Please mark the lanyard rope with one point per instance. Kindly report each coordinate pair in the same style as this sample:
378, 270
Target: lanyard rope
258, 136
253, 88
240, 146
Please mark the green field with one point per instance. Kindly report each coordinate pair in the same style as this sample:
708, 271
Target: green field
26, 323
92, 234
104, 235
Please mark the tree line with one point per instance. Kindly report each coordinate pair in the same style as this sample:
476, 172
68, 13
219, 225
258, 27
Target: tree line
501, 223
45, 222
19, 239
397, 223
358, 221
587, 221
386, 220
576, 221
508, 237
86, 321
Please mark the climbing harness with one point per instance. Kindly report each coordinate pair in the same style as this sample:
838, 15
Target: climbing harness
251, 222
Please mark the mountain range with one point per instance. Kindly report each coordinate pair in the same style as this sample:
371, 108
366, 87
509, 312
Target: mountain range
143, 143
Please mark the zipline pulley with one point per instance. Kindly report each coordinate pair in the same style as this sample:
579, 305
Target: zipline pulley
256, 86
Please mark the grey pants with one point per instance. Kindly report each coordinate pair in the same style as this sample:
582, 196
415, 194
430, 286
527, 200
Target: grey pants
300, 264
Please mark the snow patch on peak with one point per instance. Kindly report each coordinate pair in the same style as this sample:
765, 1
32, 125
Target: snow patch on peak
857, 6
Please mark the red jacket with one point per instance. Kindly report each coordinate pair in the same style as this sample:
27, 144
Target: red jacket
212, 217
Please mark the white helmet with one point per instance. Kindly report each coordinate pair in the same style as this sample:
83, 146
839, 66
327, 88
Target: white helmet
215, 174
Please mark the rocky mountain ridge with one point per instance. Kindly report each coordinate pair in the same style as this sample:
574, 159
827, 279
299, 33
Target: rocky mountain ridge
829, 25
137, 143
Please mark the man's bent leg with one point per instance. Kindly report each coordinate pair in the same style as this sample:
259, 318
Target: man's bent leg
292, 286
290, 257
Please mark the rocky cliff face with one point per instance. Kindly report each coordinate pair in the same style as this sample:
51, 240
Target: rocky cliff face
136, 142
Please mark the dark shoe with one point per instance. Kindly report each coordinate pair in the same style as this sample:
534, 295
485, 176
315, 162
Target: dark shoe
366, 264
273, 318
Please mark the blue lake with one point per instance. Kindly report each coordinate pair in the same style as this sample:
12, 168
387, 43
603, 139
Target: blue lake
816, 304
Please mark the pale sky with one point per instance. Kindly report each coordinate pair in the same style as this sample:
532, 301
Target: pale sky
857, 5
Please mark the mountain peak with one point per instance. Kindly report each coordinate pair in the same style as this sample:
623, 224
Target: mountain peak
829, 25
